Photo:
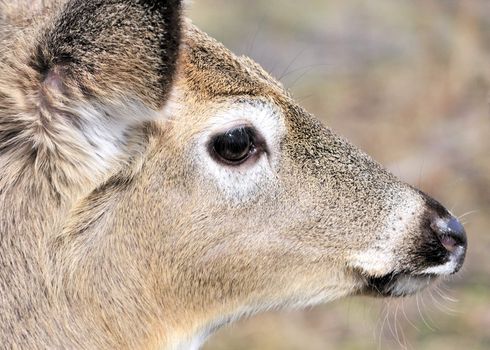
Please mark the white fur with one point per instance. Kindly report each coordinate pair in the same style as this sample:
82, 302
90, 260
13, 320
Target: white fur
382, 258
243, 182
103, 129
406, 285
447, 268
193, 343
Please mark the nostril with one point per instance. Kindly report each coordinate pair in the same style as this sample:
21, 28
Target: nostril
448, 242
450, 232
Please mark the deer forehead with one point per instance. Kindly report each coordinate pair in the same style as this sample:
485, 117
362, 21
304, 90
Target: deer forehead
216, 91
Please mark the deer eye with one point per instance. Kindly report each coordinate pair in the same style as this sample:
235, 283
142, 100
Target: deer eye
234, 146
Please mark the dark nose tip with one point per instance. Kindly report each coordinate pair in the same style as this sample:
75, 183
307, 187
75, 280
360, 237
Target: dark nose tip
450, 232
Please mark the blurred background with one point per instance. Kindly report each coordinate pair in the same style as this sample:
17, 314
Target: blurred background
409, 82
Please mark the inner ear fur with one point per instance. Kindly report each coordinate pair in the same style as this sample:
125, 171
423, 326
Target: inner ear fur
71, 92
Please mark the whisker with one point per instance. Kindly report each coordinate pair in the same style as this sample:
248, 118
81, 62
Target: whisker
444, 296
251, 43
381, 331
285, 72
390, 325
431, 320
443, 308
421, 169
468, 213
298, 79
408, 319
422, 316
401, 339
308, 67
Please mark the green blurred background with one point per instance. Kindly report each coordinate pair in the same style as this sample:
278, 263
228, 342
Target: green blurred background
408, 82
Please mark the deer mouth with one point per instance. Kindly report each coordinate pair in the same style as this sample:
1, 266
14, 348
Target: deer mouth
397, 284
404, 283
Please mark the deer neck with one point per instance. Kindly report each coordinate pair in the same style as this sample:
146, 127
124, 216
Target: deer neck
47, 307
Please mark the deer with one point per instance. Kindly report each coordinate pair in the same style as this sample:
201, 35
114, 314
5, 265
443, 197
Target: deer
155, 187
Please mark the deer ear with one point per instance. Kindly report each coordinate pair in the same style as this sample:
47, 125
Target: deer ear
116, 49
70, 94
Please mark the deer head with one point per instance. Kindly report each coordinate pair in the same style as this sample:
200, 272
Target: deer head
183, 188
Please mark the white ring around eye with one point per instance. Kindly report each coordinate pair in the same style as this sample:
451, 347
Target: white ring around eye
243, 183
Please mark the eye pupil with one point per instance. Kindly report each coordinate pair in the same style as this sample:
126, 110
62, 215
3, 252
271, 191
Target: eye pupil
235, 145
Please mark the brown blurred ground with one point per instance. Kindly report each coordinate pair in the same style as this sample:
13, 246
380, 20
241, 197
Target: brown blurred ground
409, 82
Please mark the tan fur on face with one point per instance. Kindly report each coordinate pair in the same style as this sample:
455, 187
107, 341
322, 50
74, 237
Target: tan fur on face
217, 259
73, 100
121, 231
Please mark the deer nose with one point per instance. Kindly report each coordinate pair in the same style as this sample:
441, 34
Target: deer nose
450, 232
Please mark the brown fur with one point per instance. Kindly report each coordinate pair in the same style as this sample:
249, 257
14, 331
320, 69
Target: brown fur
142, 248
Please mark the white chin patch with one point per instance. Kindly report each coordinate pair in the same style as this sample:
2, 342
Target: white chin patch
410, 284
